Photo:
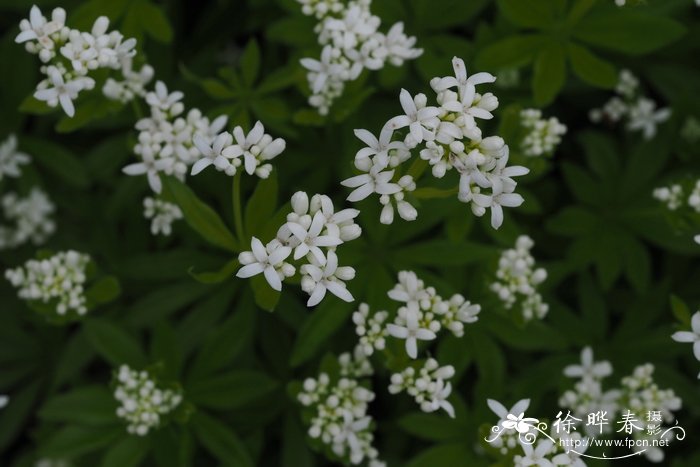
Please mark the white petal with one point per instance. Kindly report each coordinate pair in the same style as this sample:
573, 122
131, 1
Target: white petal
273, 278
250, 270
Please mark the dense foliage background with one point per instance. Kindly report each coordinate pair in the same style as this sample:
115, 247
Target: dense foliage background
614, 254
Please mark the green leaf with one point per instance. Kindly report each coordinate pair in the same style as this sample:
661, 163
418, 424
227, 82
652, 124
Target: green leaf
58, 160
91, 405
232, 390
320, 326
454, 455
113, 343
199, 216
628, 31
154, 21
250, 62
87, 111
129, 452
637, 263
17, 413
164, 301
590, 68
680, 310
431, 427
549, 74
601, 154
513, 51
220, 441
529, 14
444, 253
103, 291
295, 451
73, 441
261, 205
165, 348
265, 296
227, 271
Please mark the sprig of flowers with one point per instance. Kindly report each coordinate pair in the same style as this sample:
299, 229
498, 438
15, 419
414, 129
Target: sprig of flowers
351, 40
447, 137
517, 280
57, 281
143, 402
70, 55
162, 214
423, 316
11, 159
684, 193
542, 135
639, 111
429, 385
338, 413
30, 219
692, 336
310, 236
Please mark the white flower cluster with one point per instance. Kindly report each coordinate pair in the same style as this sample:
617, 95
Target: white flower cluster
447, 137
425, 312
692, 336
11, 159
58, 281
143, 403
162, 214
675, 194
429, 386
352, 42
640, 111
355, 364
131, 86
253, 151
29, 219
340, 417
637, 394
543, 135
370, 328
312, 232
70, 55
165, 137
517, 280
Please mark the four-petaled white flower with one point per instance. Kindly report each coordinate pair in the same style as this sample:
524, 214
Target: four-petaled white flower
329, 277
150, 166
58, 90
11, 159
460, 79
496, 407
375, 181
439, 401
419, 118
378, 149
38, 28
412, 332
212, 153
256, 146
536, 456
691, 336
322, 69
311, 238
264, 260
589, 369
162, 99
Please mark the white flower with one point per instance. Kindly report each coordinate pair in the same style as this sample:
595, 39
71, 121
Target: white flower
419, 118
30, 219
142, 402
39, 29
439, 398
151, 167
536, 456
518, 409
266, 260
256, 148
311, 239
543, 136
321, 69
429, 387
412, 331
375, 181
465, 85
162, 215
691, 336
379, 149
213, 154
370, 329
57, 90
409, 290
166, 101
588, 369
328, 277
644, 116
11, 159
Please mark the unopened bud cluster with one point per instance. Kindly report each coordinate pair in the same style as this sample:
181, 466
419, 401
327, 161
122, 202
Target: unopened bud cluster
428, 385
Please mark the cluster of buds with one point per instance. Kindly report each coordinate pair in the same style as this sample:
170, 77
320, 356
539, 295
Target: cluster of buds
162, 214
542, 135
447, 137
351, 40
429, 385
683, 193
339, 416
310, 236
11, 159
29, 219
639, 111
57, 282
517, 280
69, 56
143, 403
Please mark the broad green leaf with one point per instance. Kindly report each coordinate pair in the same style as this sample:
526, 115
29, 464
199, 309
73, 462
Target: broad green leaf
590, 68
321, 324
637, 263
129, 452
680, 310
261, 205
66, 165
232, 390
227, 271
220, 441
628, 31
529, 14
103, 291
549, 73
203, 219
91, 405
601, 154
513, 51
113, 343
250, 62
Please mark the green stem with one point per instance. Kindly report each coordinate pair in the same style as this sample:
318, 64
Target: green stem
237, 211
